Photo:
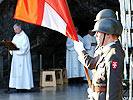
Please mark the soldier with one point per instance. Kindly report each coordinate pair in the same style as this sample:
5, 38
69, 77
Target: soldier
110, 14
107, 80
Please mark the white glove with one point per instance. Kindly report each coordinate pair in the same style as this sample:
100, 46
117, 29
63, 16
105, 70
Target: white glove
90, 92
78, 46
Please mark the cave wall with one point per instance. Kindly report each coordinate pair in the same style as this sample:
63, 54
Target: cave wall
50, 44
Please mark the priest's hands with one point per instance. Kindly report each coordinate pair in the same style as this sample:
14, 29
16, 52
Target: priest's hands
78, 46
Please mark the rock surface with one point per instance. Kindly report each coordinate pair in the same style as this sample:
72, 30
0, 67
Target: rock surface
47, 42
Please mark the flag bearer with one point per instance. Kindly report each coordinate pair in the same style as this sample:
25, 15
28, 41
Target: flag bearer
107, 80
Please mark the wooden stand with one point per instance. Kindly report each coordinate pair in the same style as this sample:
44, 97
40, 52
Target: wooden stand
64, 74
53, 77
59, 77
47, 78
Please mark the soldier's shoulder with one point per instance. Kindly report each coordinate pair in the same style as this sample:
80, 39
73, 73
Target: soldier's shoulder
117, 53
117, 48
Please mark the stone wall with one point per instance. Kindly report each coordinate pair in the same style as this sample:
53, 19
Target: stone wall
43, 40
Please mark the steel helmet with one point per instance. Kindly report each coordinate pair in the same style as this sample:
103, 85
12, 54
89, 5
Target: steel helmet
120, 27
105, 13
106, 26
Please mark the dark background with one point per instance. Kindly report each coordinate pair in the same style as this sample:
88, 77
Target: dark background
50, 44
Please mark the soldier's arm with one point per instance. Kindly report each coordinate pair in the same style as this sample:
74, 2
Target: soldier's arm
114, 71
88, 61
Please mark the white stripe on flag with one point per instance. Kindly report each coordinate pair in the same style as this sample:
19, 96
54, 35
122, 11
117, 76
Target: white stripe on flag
52, 20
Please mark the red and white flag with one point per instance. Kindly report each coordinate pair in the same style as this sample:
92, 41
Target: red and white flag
53, 14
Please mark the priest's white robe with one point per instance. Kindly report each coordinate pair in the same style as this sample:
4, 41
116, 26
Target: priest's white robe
73, 66
21, 67
87, 40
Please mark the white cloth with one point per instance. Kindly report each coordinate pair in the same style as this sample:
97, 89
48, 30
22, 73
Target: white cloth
78, 46
87, 40
73, 65
21, 68
90, 93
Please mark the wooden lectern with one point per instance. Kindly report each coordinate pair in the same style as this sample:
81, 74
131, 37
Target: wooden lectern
10, 46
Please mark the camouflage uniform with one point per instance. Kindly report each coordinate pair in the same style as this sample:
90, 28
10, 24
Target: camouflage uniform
109, 71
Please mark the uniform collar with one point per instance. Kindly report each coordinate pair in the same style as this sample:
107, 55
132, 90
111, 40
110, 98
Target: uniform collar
107, 46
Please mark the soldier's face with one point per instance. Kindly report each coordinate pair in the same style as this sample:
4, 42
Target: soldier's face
99, 37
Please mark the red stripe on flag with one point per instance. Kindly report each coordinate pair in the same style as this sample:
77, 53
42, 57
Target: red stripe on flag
70, 24
32, 11
40, 11
61, 7
26, 6
72, 36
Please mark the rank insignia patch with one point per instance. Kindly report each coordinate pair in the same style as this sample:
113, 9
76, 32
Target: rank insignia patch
114, 64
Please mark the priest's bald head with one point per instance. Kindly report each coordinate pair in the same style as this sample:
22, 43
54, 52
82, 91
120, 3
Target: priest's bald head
17, 28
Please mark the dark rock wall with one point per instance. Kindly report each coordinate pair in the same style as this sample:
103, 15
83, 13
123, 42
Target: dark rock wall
49, 43
84, 11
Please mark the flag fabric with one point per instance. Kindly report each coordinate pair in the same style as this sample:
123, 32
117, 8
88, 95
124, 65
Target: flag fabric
53, 14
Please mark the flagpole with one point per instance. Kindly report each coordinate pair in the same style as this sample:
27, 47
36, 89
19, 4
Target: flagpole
88, 77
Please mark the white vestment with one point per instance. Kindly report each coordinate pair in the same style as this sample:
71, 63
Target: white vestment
74, 67
21, 68
87, 41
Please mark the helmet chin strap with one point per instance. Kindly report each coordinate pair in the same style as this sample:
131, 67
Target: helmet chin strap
103, 39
